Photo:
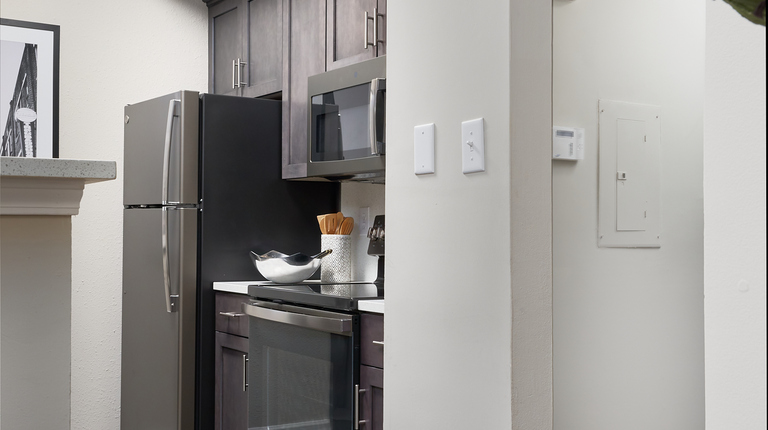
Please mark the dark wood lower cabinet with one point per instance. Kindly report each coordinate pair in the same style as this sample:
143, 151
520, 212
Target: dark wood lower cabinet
372, 399
231, 410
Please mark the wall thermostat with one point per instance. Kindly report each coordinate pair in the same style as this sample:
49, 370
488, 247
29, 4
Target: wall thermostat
567, 143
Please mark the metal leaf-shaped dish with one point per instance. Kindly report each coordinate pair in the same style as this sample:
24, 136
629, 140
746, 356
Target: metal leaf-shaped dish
286, 269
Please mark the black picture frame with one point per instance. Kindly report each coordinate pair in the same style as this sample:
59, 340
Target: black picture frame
29, 115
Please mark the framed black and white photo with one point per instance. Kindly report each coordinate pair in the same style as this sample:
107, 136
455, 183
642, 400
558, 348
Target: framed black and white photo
29, 89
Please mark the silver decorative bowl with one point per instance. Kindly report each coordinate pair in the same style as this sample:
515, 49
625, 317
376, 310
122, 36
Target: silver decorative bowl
286, 269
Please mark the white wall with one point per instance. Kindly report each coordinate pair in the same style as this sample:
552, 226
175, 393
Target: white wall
353, 197
734, 221
447, 358
112, 53
450, 354
629, 323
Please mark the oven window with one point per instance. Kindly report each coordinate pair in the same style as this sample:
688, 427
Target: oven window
299, 378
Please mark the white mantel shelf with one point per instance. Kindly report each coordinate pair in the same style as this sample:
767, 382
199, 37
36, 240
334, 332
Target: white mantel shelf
48, 186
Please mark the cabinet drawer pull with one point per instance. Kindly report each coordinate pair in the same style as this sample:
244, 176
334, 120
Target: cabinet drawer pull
358, 421
231, 314
378, 342
245, 372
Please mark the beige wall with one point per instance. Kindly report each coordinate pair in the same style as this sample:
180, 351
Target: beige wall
35, 261
629, 323
112, 53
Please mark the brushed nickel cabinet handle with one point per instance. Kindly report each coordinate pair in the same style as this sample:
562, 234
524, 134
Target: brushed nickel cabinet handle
358, 421
233, 74
245, 372
231, 314
240, 64
378, 342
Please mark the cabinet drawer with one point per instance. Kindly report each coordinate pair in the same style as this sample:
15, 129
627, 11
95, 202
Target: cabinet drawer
372, 330
229, 314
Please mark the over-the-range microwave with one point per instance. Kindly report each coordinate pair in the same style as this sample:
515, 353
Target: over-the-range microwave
347, 122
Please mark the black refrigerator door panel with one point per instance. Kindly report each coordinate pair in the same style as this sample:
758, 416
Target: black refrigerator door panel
147, 127
246, 206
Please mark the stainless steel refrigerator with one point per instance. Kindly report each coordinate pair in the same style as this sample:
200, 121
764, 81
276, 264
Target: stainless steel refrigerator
202, 188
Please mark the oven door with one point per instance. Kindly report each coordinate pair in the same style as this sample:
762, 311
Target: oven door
302, 368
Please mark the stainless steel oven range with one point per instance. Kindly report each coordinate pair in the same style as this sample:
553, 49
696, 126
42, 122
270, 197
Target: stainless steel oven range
303, 365
304, 355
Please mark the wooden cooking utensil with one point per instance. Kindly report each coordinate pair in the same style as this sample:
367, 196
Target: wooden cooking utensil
330, 224
339, 220
347, 225
321, 222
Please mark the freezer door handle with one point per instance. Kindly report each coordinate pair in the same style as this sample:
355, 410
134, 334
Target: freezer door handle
169, 306
167, 150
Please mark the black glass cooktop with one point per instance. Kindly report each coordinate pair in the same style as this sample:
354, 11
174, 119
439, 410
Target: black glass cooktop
313, 293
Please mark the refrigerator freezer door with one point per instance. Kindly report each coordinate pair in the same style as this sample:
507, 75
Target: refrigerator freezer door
158, 358
161, 146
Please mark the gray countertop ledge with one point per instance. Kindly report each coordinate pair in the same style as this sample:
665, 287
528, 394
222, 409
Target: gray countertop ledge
48, 186
58, 168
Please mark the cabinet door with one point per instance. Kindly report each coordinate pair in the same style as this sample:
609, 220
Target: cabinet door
231, 409
263, 38
306, 33
225, 46
346, 32
372, 399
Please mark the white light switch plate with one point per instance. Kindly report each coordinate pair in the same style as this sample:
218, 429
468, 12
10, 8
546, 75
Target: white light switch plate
472, 146
424, 149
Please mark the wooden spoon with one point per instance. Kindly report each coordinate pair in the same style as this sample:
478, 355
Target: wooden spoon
321, 222
347, 225
339, 220
330, 224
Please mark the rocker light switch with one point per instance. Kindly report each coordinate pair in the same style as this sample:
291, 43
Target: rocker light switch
472, 146
424, 149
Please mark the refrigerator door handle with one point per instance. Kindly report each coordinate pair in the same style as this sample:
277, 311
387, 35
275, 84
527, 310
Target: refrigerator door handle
167, 150
166, 263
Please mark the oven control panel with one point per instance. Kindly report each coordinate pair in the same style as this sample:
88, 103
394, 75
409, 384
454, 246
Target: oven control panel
376, 236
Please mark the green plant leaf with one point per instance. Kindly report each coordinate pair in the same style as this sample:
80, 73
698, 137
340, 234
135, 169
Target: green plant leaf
753, 10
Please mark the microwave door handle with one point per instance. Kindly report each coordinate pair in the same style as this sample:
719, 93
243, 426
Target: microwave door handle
373, 99
336, 323
167, 149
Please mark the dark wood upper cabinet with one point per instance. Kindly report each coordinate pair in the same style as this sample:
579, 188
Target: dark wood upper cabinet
306, 44
225, 45
263, 34
245, 47
268, 48
348, 30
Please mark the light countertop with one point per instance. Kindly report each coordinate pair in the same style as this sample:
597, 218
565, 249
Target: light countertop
48, 186
90, 170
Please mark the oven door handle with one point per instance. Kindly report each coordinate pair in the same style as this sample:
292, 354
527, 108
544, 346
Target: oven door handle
329, 322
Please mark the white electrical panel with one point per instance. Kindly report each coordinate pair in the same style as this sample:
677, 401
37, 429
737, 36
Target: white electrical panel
629, 184
567, 143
